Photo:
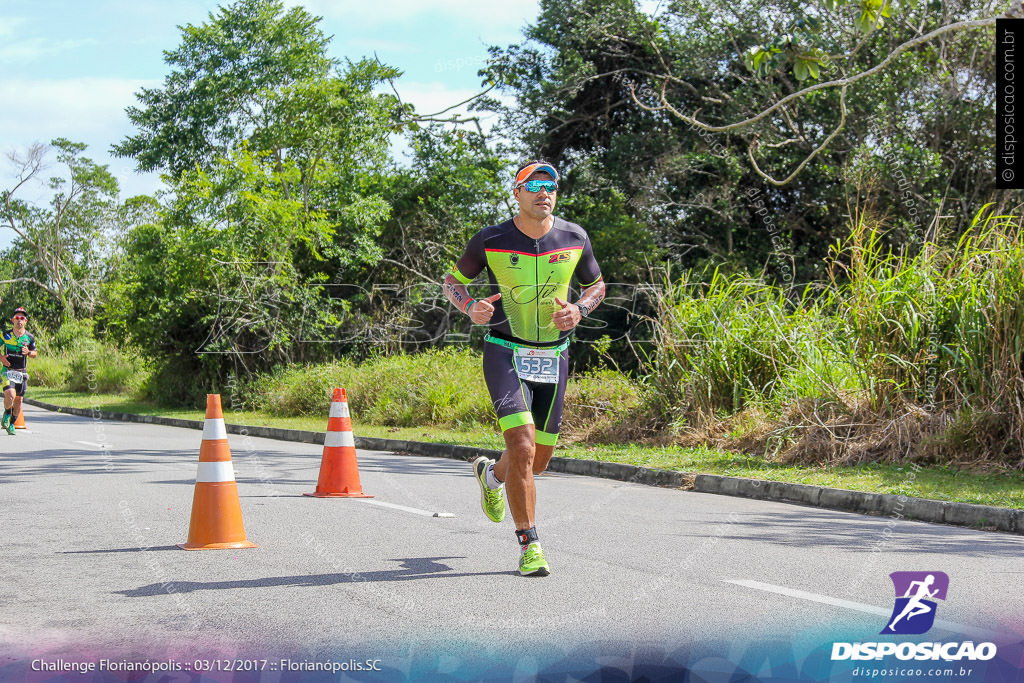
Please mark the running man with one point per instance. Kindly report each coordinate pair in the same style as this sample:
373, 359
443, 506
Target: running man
914, 606
530, 261
17, 346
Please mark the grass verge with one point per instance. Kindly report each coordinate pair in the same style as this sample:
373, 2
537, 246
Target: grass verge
938, 483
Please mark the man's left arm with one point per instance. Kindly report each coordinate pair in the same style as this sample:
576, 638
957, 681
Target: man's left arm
568, 316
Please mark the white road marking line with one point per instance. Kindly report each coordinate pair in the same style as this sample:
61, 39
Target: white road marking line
101, 446
415, 511
858, 606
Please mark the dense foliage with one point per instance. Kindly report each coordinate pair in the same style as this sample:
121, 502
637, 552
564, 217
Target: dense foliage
289, 234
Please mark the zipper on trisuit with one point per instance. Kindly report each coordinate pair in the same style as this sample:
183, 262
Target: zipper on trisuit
536, 283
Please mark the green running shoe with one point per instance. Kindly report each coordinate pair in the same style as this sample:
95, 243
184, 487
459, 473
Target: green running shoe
10, 428
491, 500
532, 562
5, 422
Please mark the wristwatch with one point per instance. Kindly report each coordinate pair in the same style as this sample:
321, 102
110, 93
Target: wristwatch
583, 310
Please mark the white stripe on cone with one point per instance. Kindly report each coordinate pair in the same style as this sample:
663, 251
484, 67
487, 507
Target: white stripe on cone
214, 429
215, 471
334, 439
339, 409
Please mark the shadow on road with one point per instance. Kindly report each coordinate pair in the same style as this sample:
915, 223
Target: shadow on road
413, 568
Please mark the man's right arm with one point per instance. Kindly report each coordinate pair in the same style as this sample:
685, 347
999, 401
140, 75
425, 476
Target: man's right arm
457, 293
471, 264
479, 310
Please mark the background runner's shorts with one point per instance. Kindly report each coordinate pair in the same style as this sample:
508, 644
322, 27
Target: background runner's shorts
518, 402
19, 388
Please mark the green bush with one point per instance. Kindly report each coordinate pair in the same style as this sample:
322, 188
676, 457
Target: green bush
104, 370
47, 370
71, 358
939, 330
72, 336
296, 390
943, 327
437, 387
174, 384
440, 388
731, 341
604, 406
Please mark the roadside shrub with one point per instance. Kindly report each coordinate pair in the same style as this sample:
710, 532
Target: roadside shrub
436, 387
899, 356
104, 370
731, 341
48, 370
72, 336
175, 384
603, 407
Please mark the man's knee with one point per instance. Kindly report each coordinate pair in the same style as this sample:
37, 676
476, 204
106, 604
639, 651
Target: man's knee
542, 458
520, 447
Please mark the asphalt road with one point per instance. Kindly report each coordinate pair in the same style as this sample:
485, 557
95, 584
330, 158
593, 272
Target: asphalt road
93, 511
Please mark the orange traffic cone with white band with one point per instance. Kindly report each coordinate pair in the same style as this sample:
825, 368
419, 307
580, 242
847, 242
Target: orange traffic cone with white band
216, 511
339, 471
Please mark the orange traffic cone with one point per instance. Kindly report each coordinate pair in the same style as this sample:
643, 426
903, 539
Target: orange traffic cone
19, 422
339, 471
216, 512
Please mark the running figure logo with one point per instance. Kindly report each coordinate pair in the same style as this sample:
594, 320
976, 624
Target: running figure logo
914, 612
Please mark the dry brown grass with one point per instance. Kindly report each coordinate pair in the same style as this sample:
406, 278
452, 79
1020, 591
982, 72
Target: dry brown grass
830, 433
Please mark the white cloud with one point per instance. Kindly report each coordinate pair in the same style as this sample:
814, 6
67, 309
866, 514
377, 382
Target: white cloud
34, 48
36, 109
10, 26
89, 110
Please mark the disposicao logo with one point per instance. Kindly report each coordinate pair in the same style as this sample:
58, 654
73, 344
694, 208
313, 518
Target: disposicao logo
916, 592
914, 614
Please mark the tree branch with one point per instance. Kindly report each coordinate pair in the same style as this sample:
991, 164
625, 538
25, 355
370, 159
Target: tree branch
33, 281
814, 153
838, 83
842, 83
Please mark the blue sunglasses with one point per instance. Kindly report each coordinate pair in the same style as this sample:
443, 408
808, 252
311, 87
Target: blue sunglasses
538, 185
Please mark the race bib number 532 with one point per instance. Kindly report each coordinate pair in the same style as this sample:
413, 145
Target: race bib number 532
537, 365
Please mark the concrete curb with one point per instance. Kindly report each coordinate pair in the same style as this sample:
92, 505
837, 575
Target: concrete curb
984, 517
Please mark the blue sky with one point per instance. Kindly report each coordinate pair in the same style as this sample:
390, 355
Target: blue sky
68, 68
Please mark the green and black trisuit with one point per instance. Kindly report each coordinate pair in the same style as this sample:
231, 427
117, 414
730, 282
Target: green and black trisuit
11, 346
529, 273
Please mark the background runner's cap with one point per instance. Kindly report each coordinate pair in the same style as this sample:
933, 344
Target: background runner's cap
19, 311
530, 169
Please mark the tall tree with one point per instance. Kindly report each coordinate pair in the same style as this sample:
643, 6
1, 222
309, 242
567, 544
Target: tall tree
229, 276
224, 76
592, 82
60, 248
